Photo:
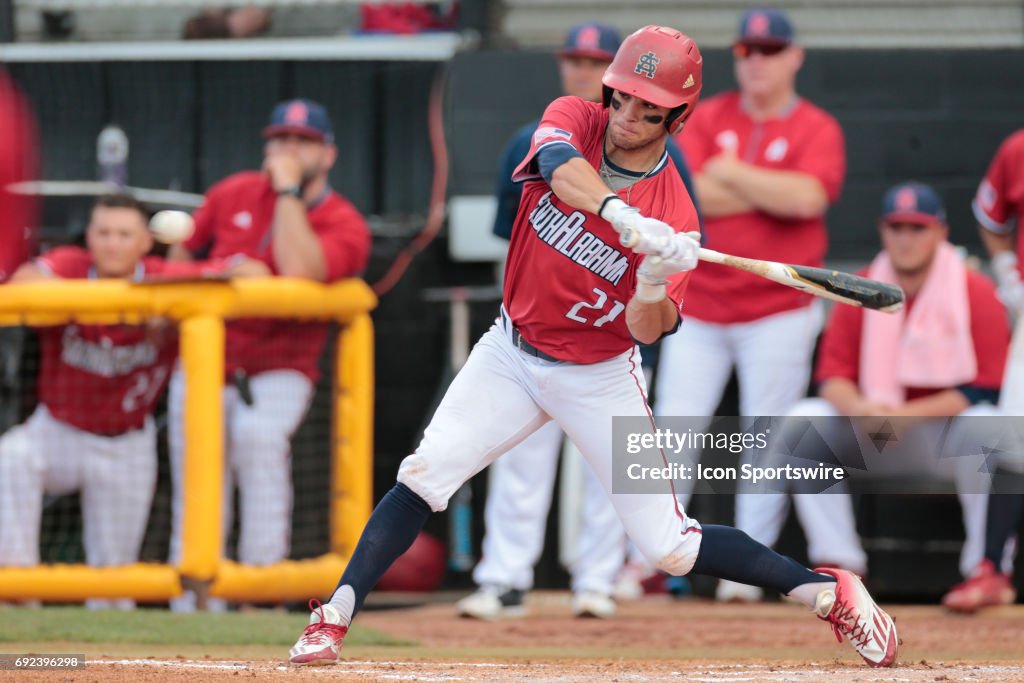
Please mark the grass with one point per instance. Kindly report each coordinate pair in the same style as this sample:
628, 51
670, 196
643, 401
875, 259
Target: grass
152, 626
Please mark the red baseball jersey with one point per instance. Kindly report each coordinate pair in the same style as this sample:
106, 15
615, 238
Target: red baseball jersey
839, 355
18, 212
236, 218
999, 203
568, 279
105, 379
805, 140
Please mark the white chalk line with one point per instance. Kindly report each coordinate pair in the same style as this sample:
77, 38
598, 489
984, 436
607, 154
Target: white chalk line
428, 671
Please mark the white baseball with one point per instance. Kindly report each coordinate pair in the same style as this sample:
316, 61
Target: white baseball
171, 227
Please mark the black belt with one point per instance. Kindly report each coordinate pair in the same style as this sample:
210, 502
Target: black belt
520, 342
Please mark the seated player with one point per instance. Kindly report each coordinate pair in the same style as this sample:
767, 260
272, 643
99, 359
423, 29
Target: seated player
942, 356
93, 430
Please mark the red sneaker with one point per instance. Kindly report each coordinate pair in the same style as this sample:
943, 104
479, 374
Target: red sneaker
321, 640
987, 587
853, 613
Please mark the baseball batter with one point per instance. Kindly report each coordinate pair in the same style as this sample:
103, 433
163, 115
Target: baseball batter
520, 485
564, 347
93, 429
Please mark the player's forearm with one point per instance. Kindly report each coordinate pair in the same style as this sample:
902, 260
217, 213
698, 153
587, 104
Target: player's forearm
30, 272
995, 242
783, 194
577, 184
942, 404
843, 394
178, 252
297, 251
647, 322
717, 199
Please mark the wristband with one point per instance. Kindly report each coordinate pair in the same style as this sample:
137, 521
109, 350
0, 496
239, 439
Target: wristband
648, 293
293, 191
609, 201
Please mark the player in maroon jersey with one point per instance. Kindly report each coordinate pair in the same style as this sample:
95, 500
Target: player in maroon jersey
93, 430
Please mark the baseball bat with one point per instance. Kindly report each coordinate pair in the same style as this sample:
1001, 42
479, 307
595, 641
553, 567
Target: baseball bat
821, 282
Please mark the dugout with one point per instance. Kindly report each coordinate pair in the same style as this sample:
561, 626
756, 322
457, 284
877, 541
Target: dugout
934, 115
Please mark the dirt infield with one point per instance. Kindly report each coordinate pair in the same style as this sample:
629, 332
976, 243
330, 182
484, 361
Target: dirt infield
651, 640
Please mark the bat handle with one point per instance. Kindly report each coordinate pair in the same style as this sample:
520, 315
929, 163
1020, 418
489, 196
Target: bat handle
632, 239
629, 237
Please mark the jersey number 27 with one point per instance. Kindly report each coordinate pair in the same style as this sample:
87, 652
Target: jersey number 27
577, 311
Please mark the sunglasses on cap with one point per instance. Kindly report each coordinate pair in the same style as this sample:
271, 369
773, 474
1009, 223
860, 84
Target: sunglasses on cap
744, 50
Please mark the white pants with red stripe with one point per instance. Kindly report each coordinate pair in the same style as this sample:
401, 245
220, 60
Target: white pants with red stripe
501, 396
258, 450
116, 476
516, 512
772, 357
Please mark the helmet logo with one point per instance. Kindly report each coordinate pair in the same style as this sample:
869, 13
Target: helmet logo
647, 65
689, 81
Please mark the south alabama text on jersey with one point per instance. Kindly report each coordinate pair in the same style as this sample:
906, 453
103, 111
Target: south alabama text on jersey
566, 234
104, 358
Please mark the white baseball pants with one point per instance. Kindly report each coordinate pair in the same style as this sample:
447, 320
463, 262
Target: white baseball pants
115, 474
515, 514
772, 357
827, 519
258, 450
501, 396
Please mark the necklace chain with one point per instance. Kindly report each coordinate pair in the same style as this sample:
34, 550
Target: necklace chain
609, 176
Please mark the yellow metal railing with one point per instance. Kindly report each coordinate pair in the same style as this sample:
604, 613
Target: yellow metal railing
201, 308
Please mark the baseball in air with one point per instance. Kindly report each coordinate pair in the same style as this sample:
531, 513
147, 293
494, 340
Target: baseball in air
171, 227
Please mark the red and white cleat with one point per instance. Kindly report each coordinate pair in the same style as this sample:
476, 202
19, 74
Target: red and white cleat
986, 587
853, 613
321, 640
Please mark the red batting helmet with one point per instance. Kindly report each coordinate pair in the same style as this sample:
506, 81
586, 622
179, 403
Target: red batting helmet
659, 65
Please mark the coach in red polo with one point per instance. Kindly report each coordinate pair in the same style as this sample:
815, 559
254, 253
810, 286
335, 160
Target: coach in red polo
287, 216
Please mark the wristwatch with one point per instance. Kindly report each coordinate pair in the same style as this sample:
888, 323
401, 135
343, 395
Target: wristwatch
293, 191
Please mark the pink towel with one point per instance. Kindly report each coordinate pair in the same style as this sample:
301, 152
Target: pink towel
929, 346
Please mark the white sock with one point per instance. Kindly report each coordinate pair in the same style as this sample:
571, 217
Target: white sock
344, 600
807, 593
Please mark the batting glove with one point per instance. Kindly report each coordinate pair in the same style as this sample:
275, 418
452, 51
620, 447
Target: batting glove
652, 275
641, 234
1010, 289
621, 215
